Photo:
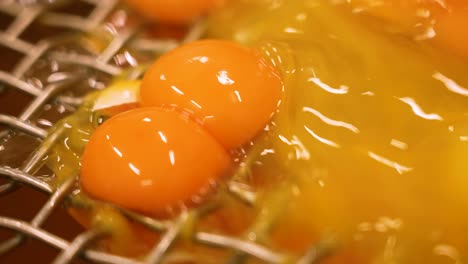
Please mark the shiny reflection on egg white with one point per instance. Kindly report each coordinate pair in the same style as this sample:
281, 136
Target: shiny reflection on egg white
342, 89
401, 169
330, 121
301, 152
322, 139
293, 30
450, 84
417, 110
399, 144
448, 251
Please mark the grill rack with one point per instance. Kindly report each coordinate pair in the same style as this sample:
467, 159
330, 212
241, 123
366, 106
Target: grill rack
24, 17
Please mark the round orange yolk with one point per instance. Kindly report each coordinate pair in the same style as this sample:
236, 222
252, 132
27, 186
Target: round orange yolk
451, 28
173, 11
448, 18
230, 88
151, 160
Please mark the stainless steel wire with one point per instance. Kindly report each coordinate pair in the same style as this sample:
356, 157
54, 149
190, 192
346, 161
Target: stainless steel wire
23, 177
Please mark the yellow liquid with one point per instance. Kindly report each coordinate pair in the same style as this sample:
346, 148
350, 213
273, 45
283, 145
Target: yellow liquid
370, 144
372, 134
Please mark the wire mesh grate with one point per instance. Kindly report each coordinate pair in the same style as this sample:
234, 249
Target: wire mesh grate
18, 76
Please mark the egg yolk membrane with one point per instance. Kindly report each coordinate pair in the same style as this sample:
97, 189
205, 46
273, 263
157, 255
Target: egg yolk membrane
173, 11
230, 88
151, 160
216, 95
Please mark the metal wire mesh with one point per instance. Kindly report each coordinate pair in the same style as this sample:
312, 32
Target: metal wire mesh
16, 78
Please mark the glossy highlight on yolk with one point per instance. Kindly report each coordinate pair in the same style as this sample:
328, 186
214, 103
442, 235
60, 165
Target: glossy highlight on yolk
151, 160
230, 88
173, 11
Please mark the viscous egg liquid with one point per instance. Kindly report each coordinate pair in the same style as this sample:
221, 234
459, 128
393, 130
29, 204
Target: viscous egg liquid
373, 127
370, 143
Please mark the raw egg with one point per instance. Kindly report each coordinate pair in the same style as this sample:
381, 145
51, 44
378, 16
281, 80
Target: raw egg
173, 11
437, 21
151, 160
450, 31
230, 88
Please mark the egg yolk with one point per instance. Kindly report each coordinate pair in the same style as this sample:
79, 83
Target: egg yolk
151, 160
441, 20
230, 88
173, 11
451, 32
